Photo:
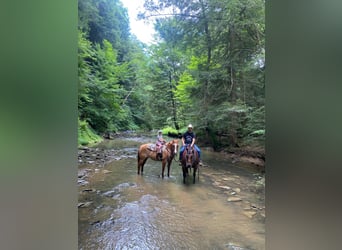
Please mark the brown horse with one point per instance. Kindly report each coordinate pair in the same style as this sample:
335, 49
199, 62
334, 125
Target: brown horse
190, 159
168, 153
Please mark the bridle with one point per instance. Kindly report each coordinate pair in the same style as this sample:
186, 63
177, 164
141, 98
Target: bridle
173, 154
189, 153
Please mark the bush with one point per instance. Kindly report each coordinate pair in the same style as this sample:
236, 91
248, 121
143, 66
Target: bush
86, 135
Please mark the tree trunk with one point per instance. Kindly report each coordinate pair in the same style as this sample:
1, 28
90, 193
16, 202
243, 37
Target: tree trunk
174, 111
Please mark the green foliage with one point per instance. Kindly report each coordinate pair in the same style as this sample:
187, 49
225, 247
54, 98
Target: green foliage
185, 85
206, 69
254, 128
168, 130
221, 85
105, 78
86, 135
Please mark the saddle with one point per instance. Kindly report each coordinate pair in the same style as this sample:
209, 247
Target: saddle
153, 147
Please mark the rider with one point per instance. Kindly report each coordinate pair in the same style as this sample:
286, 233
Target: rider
159, 143
189, 137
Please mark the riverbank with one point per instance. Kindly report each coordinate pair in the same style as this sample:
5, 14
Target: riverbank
249, 154
254, 155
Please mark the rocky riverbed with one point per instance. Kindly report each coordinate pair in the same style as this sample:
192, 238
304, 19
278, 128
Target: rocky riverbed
236, 189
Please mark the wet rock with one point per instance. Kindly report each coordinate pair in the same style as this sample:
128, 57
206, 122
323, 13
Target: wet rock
110, 193
90, 190
215, 183
232, 246
249, 214
234, 199
84, 204
105, 171
225, 187
82, 182
94, 222
254, 206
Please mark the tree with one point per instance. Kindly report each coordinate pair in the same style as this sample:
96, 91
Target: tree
224, 42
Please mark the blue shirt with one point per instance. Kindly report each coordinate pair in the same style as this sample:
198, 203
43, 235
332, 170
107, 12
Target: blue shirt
188, 136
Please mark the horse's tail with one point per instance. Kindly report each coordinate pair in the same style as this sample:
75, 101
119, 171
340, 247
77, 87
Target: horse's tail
138, 156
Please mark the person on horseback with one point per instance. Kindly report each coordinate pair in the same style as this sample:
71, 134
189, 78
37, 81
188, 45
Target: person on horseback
159, 144
189, 137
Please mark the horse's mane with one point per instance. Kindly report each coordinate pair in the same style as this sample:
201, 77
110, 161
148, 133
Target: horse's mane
171, 142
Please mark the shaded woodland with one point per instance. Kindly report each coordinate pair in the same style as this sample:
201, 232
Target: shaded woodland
207, 67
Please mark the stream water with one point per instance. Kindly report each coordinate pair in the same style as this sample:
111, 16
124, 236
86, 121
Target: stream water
119, 209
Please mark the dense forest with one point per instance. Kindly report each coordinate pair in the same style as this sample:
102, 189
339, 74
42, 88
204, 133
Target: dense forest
207, 68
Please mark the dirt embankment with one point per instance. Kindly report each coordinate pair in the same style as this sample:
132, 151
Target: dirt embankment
248, 154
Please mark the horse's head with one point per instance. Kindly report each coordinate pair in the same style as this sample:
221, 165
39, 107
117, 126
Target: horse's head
189, 156
173, 146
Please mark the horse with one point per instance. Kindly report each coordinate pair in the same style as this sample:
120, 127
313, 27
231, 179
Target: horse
168, 153
190, 159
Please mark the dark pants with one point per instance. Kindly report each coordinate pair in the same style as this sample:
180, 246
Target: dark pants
183, 148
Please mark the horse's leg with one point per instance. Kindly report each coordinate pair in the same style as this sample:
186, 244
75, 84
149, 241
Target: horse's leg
168, 168
138, 172
195, 168
163, 168
184, 174
142, 166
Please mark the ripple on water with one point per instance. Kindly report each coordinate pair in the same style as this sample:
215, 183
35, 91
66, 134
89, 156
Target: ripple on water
148, 223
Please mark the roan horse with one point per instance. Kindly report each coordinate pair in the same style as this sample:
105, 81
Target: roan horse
168, 153
190, 159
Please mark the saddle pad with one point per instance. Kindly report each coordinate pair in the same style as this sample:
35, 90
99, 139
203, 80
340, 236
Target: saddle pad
152, 147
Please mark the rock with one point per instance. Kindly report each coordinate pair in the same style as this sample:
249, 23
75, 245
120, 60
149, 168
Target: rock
85, 204
232, 246
237, 190
254, 206
225, 187
249, 214
234, 199
82, 182
215, 183
106, 171
94, 222
91, 190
